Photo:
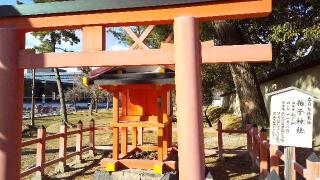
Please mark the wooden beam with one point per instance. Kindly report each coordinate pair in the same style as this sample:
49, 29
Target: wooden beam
94, 38
124, 141
134, 136
214, 54
138, 41
139, 124
115, 154
95, 58
237, 53
144, 118
160, 132
233, 9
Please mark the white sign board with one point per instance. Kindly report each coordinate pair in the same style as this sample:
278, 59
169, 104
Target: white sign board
291, 118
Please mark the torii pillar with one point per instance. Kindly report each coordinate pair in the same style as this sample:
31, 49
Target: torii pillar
11, 100
189, 103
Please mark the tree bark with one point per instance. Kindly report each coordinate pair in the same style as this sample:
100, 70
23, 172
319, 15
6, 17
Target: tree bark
74, 97
107, 102
63, 109
251, 100
96, 105
207, 117
75, 105
91, 106
32, 123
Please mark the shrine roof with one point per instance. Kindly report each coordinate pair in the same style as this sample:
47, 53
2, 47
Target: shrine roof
291, 88
122, 75
76, 6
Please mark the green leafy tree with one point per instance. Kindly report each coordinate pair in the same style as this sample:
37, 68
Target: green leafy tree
50, 41
293, 29
96, 95
76, 93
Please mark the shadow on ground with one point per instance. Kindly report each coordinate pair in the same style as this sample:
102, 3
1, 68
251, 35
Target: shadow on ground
232, 167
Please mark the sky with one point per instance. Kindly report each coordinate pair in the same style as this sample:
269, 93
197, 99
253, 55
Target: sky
111, 42
7, 2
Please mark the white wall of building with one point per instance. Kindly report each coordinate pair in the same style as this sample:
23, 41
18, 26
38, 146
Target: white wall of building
307, 80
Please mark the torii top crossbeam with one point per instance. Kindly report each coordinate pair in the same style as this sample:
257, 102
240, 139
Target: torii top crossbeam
75, 14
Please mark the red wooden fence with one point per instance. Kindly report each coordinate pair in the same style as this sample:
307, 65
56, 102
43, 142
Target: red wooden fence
264, 156
267, 157
42, 138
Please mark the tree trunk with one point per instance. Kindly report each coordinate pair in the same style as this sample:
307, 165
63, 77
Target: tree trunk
251, 100
75, 105
107, 102
96, 106
91, 106
74, 96
32, 123
63, 109
207, 117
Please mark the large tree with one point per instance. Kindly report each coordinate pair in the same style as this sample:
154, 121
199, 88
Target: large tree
251, 100
50, 41
293, 28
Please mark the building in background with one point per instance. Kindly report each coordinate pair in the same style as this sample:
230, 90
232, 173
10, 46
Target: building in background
46, 84
303, 74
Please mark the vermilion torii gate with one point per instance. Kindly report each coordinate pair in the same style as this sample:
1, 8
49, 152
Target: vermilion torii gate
92, 17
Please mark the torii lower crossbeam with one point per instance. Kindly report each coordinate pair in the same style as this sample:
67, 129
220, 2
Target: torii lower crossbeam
164, 56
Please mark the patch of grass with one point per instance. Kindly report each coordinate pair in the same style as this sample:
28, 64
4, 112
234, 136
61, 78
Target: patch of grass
229, 121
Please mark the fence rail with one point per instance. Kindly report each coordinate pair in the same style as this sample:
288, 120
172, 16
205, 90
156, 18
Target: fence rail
42, 139
267, 157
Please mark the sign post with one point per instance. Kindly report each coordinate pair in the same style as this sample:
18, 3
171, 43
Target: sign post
291, 123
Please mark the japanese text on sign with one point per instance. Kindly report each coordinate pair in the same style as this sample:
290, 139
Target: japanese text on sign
291, 119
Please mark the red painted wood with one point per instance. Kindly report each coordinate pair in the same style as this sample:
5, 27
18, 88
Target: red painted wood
263, 156
41, 151
92, 137
79, 141
63, 145
274, 159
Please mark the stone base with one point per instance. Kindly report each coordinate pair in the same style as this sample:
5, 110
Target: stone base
134, 174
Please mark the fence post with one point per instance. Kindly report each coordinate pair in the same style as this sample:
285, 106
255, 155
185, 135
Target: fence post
290, 157
263, 154
220, 141
92, 138
41, 151
62, 166
255, 146
313, 166
249, 139
79, 141
274, 159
